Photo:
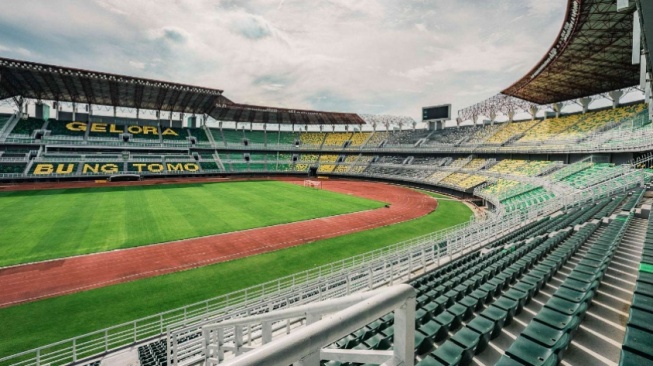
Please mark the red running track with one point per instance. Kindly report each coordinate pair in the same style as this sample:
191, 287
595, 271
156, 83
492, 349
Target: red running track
41, 280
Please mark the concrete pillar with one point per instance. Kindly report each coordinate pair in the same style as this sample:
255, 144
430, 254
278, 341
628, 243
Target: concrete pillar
493, 117
475, 119
557, 107
90, 112
74, 110
533, 111
585, 103
511, 115
616, 95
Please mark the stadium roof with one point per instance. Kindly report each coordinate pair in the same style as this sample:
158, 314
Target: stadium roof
258, 114
592, 55
64, 84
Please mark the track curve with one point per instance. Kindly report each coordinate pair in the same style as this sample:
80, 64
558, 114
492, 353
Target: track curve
31, 282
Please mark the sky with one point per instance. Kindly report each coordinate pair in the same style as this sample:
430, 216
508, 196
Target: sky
363, 56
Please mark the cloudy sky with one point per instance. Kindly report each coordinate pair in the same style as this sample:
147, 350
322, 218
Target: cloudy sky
365, 56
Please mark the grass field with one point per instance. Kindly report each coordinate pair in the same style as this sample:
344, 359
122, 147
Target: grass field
39, 323
40, 225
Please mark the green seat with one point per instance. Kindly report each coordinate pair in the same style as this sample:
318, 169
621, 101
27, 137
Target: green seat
640, 319
497, 316
507, 361
482, 295
549, 337
490, 288
509, 305
573, 295
472, 303
451, 354
527, 288
448, 320
423, 344
422, 316
433, 330
632, 359
433, 307
484, 327
377, 341
429, 361
580, 286
468, 340
557, 320
464, 288
645, 277
553, 264
531, 353
499, 283
536, 280
583, 277
520, 296
642, 302
644, 288
454, 296
639, 341
567, 307
463, 312
444, 301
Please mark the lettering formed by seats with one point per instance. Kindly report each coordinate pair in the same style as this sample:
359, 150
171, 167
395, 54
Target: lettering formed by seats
111, 168
100, 127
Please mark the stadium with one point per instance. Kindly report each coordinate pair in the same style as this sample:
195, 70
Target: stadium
147, 222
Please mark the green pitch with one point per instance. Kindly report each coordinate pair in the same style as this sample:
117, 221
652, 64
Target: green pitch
34, 324
40, 225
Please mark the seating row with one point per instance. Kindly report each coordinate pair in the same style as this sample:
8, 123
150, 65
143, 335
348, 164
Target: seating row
450, 296
550, 333
637, 348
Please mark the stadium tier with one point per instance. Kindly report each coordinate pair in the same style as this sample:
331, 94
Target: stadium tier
460, 315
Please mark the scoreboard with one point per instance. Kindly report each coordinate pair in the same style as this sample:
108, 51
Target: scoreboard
436, 113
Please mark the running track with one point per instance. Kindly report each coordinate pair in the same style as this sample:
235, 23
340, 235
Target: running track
41, 280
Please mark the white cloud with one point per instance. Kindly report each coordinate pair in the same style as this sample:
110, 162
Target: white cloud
376, 56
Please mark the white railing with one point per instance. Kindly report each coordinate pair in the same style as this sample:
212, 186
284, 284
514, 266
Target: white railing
325, 323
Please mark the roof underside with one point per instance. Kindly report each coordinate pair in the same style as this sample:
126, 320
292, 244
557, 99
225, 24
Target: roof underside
592, 55
47, 82
63, 84
257, 114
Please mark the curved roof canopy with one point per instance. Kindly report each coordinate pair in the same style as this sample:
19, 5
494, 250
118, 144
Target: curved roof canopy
64, 84
592, 55
48, 82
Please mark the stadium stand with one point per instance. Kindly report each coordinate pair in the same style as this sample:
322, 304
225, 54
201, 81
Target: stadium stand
509, 130
199, 134
406, 137
358, 139
312, 138
256, 137
27, 126
336, 139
